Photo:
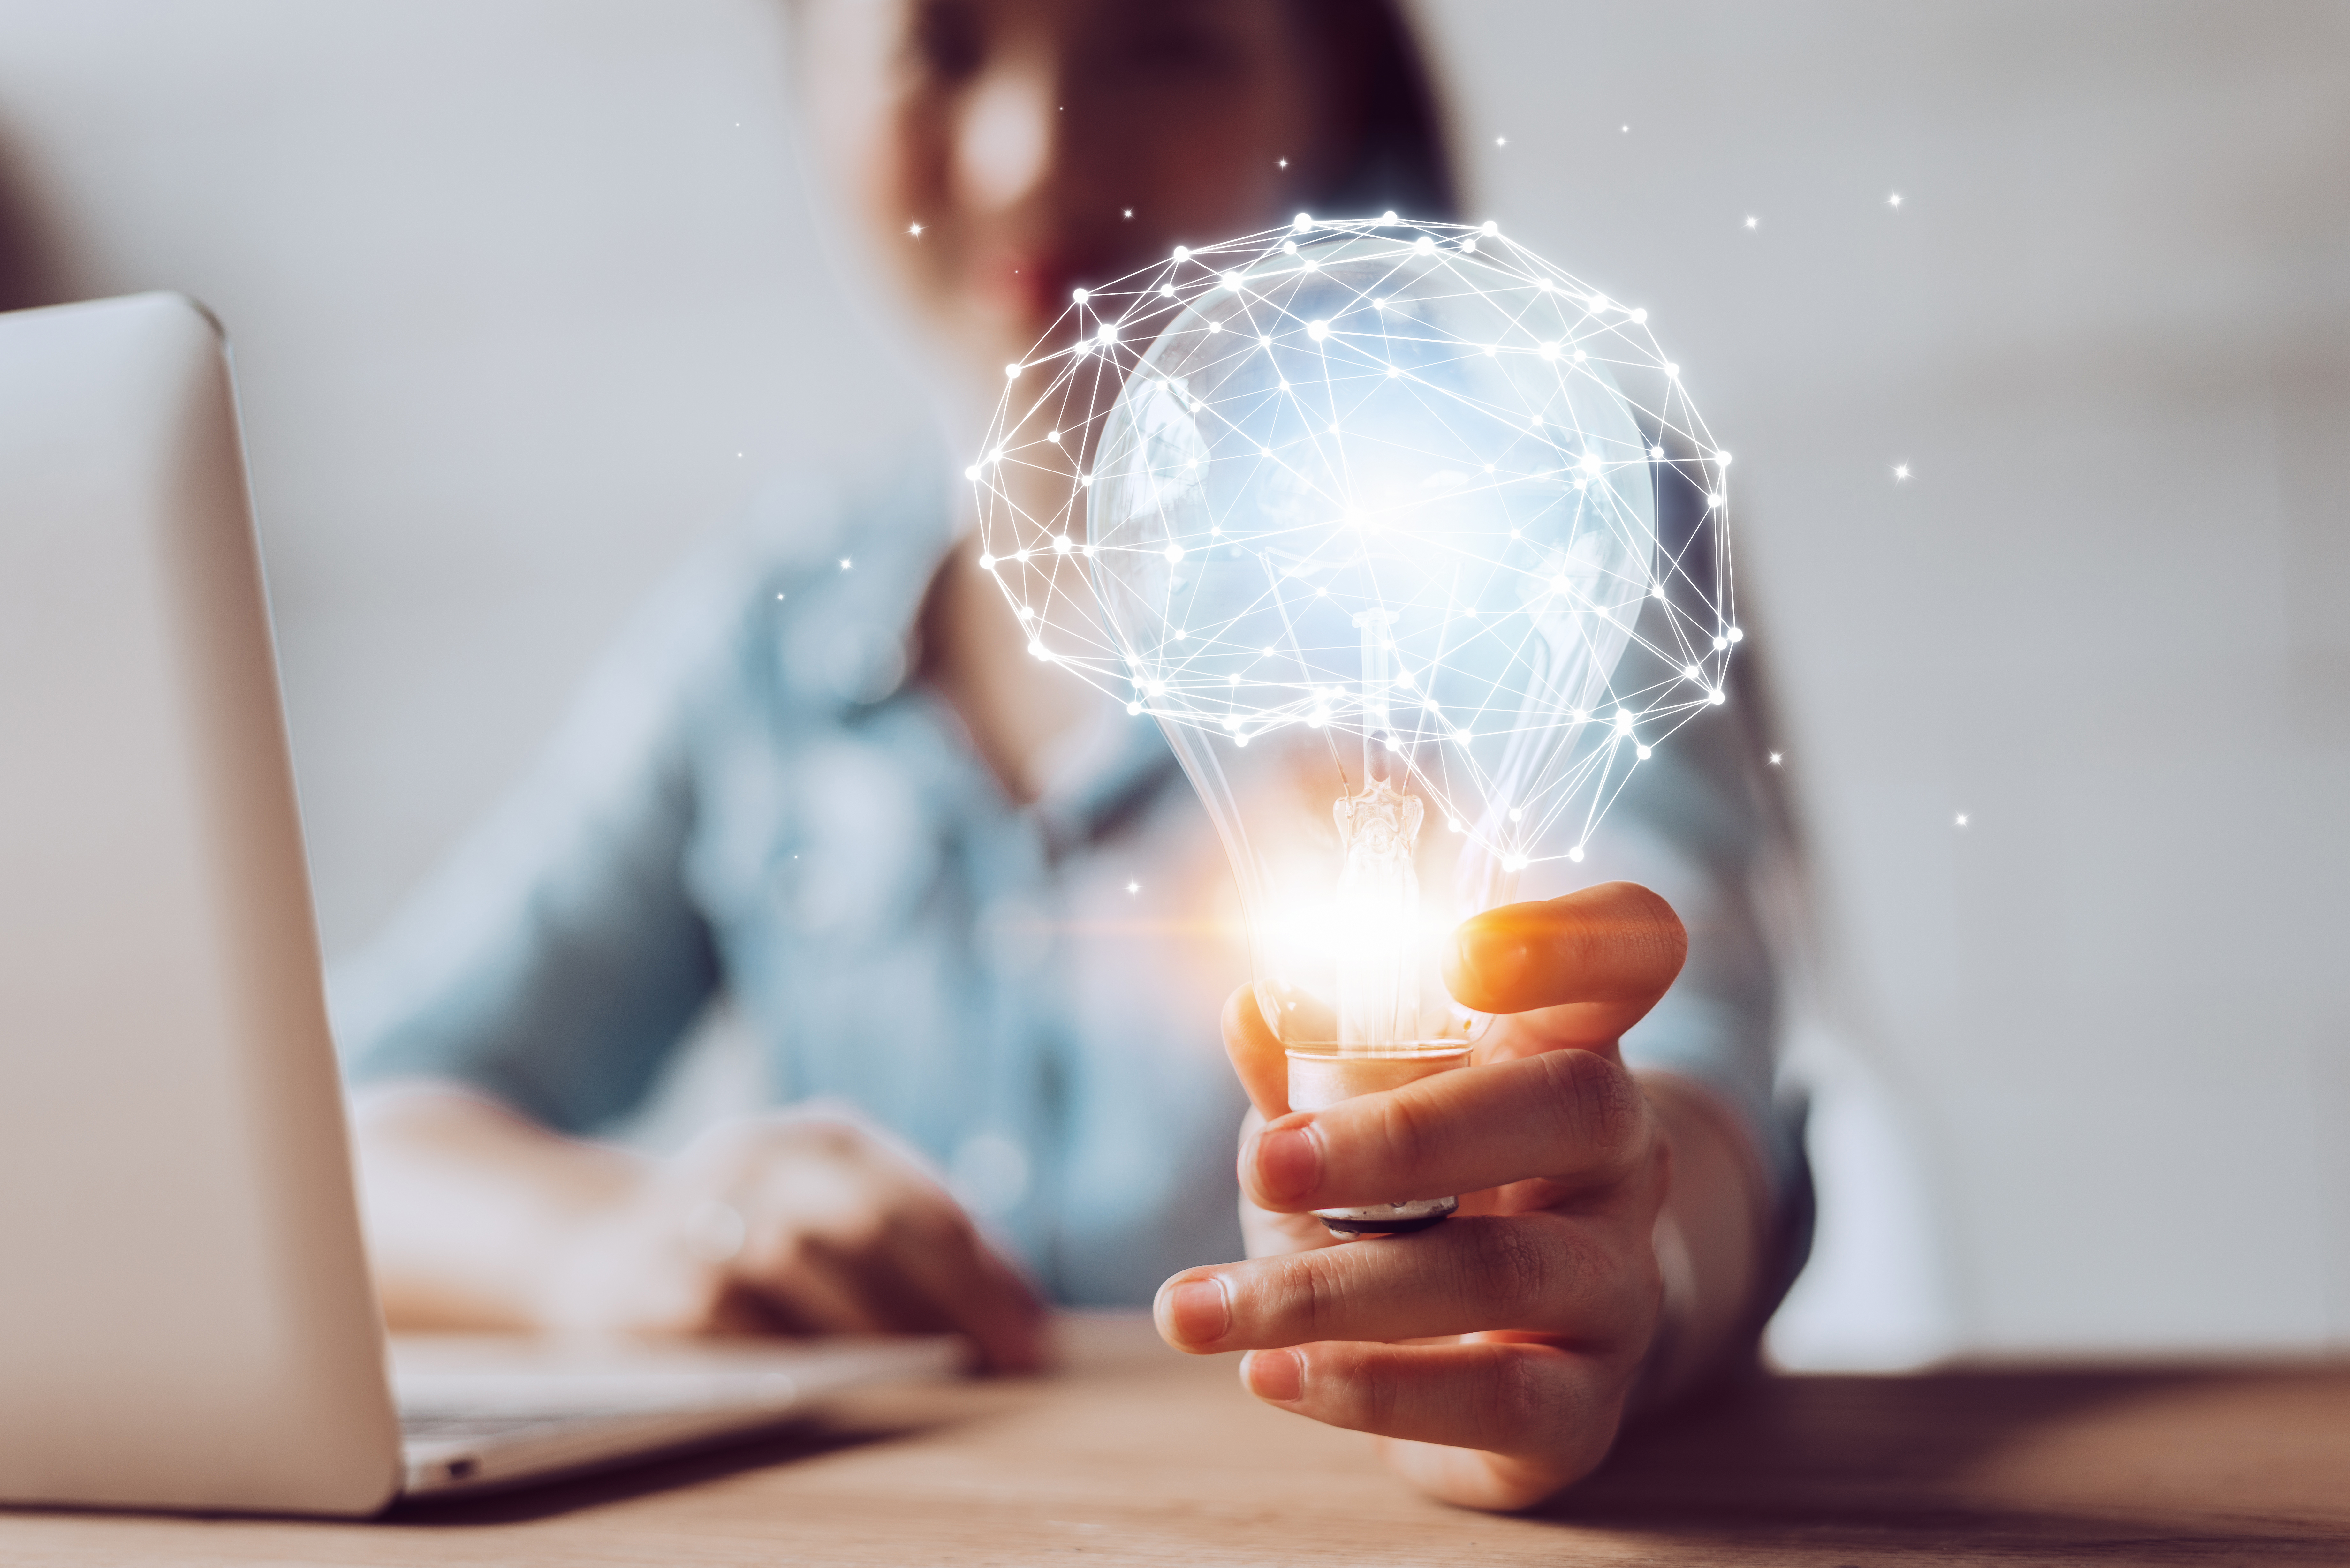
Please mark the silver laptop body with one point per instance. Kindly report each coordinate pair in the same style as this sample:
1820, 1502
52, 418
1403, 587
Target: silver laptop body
186, 1319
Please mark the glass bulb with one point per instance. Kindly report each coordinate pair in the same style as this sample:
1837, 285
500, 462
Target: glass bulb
1371, 550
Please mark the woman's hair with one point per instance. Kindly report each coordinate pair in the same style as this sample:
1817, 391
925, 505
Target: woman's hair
1396, 156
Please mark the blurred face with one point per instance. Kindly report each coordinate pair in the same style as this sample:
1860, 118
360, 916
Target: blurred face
1046, 145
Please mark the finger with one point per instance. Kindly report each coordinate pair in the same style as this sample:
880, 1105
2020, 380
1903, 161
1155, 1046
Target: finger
1523, 1418
1256, 1053
1536, 1272
966, 1287
1594, 962
800, 1283
1573, 1116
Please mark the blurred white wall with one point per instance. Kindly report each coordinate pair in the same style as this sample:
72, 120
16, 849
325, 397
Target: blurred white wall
526, 294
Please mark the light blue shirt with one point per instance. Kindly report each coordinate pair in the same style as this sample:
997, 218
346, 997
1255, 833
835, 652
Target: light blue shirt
751, 794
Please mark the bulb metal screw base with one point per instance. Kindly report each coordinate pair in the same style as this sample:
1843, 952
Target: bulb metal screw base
1387, 1218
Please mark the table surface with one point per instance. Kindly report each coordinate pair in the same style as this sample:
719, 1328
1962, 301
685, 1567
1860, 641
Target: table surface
1134, 1454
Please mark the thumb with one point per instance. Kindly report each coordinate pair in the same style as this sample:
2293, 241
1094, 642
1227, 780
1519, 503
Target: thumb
1256, 1053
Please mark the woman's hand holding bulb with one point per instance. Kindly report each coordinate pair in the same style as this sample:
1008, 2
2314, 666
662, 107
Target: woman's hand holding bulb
1496, 1351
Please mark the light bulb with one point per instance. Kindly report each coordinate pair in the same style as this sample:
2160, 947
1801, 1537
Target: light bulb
1417, 582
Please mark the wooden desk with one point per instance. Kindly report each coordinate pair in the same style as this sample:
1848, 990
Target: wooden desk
1136, 1455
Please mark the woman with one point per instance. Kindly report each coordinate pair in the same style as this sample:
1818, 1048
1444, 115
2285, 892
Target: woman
952, 888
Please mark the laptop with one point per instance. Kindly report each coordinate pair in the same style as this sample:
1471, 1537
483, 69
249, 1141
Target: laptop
186, 1318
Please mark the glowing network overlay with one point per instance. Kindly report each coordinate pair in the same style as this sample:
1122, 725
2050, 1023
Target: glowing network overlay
1403, 483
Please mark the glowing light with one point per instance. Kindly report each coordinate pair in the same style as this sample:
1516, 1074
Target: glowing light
845, 563
1752, 222
1900, 472
915, 230
1895, 199
1962, 819
1776, 758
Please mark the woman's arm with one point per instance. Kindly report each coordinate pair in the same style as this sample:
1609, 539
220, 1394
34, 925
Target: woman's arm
801, 1224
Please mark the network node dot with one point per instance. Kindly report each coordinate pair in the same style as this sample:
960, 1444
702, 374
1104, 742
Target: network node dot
1642, 752
1079, 295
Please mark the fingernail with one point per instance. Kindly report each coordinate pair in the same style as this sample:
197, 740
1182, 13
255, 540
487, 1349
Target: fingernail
1198, 1312
1278, 1376
1288, 1163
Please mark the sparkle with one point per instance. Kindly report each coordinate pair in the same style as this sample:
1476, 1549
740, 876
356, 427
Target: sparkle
1776, 758
1134, 887
915, 230
1894, 200
1501, 142
845, 563
1962, 819
1900, 472
1754, 222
